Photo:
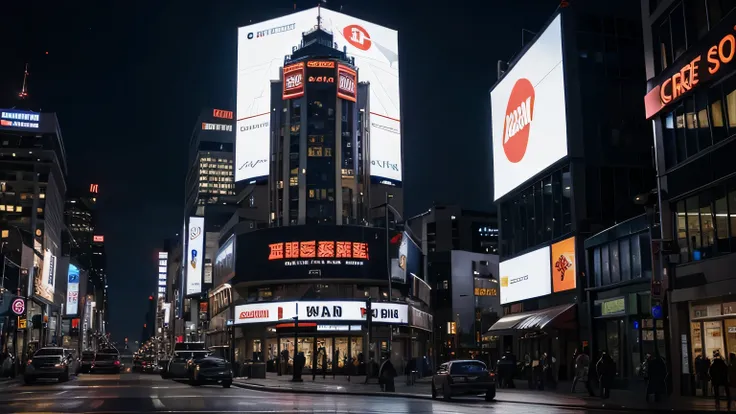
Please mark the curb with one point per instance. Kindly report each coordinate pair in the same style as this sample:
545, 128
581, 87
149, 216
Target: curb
605, 407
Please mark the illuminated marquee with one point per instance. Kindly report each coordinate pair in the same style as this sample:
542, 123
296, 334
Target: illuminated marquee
347, 83
485, 291
321, 64
318, 249
321, 79
703, 67
14, 119
219, 113
206, 126
94, 188
293, 84
98, 239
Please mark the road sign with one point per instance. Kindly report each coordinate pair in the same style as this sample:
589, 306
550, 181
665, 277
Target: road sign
18, 306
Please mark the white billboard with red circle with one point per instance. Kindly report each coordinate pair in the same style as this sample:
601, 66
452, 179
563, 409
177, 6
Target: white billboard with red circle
528, 119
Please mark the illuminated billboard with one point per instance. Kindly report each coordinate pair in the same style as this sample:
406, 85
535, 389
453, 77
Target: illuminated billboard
261, 51
72, 291
44, 286
564, 275
195, 255
528, 119
163, 263
225, 262
526, 276
15, 119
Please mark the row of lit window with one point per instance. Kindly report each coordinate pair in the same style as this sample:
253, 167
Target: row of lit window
319, 152
216, 185
321, 194
228, 172
222, 160
17, 209
213, 179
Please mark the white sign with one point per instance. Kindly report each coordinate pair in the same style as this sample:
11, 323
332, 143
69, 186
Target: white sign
19, 119
195, 255
163, 262
341, 328
320, 311
261, 51
167, 313
49, 272
528, 120
206, 126
72, 291
526, 276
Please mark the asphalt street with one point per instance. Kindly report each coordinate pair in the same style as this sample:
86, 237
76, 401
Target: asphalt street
133, 393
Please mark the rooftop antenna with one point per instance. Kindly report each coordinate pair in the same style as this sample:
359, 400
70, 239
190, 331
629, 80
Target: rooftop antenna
24, 92
319, 15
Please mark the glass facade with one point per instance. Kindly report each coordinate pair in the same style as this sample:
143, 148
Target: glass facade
621, 260
320, 174
215, 177
706, 223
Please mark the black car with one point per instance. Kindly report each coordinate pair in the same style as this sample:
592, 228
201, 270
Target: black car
85, 363
106, 363
210, 370
467, 377
49, 362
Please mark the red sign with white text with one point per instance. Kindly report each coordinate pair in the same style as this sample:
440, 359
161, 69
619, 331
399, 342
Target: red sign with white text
293, 81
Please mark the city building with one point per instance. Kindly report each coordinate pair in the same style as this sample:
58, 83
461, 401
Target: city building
311, 275
210, 203
691, 106
570, 155
33, 174
450, 227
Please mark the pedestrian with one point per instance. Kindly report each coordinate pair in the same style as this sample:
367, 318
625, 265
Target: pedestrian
656, 377
386, 375
528, 370
606, 369
702, 365
582, 371
719, 378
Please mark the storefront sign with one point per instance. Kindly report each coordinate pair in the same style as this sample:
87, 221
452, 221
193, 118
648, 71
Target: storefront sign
485, 291
709, 60
340, 328
323, 249
612, 307
421, 320
394, 313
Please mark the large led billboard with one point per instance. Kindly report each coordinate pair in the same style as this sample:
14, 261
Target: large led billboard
526, 276
45, 284
225, 262
261, 51
528, 120
195, 255
163, 265
72, 291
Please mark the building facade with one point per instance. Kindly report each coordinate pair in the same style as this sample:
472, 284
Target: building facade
584, 178
691, 108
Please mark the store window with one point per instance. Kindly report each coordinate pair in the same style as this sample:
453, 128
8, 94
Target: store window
620, 260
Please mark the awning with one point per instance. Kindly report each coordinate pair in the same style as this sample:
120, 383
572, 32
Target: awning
555, 316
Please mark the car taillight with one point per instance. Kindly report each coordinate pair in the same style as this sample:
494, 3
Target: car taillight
117, 363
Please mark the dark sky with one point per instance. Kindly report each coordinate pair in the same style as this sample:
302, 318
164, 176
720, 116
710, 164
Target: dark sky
128, 78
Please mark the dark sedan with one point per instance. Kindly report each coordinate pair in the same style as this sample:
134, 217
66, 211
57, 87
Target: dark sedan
107, 362
464, 377
85, 363
210, 370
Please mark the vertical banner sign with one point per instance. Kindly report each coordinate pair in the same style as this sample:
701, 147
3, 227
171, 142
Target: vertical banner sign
163, 263
564, 275
72, 291
293, 81
195, 255
347, 83
49, 272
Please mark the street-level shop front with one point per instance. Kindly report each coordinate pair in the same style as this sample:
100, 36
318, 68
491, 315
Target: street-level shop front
332, 335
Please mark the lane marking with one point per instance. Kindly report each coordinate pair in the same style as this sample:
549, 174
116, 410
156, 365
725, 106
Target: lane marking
157, 403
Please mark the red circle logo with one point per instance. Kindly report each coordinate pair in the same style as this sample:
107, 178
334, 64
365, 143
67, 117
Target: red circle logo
357, 36
518, 122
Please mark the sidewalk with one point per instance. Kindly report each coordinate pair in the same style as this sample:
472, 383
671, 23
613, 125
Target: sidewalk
561, 397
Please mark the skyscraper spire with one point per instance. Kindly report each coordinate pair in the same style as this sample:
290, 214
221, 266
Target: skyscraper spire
24, 91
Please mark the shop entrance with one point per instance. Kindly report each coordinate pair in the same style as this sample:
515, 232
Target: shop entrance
333, 353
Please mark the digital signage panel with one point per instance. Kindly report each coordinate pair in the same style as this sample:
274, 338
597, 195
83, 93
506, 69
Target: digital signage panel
195, 255
334, 311
72, 291
564, 275
261, 51
526, 276
304, 252
528, 115
225, 262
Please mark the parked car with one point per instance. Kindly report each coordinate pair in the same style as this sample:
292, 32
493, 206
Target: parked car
106, 362
85, 363
149, 365
210, 370
179, 363
463, 377
49, 362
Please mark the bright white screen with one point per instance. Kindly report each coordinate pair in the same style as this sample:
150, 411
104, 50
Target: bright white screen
527, 276
546, 126
261, 51
195, 255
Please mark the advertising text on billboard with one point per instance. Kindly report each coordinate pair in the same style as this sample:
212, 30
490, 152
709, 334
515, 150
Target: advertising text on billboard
195, 255
321, 311
526, 276
72, 291
293, 81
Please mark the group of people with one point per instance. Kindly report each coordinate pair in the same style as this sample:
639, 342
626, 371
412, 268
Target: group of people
716, 372
539, 373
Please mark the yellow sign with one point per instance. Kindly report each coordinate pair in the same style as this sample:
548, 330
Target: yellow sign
504, 281
22, 323
451, 328
611, 307
485, 292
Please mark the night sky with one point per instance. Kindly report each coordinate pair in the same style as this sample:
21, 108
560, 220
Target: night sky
128, 79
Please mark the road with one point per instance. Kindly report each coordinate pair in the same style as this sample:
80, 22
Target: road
134, 393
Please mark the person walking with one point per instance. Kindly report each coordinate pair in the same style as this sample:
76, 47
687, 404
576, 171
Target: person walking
606, 369
582, 371
656, 377
702, 365
719, 378
386, 375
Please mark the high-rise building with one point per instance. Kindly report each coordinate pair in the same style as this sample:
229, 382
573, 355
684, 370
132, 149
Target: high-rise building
318, 170
570, 154
33, 174
691, 107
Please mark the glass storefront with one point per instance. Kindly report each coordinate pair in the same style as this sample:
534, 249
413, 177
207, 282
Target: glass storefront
340, 351
712, 328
